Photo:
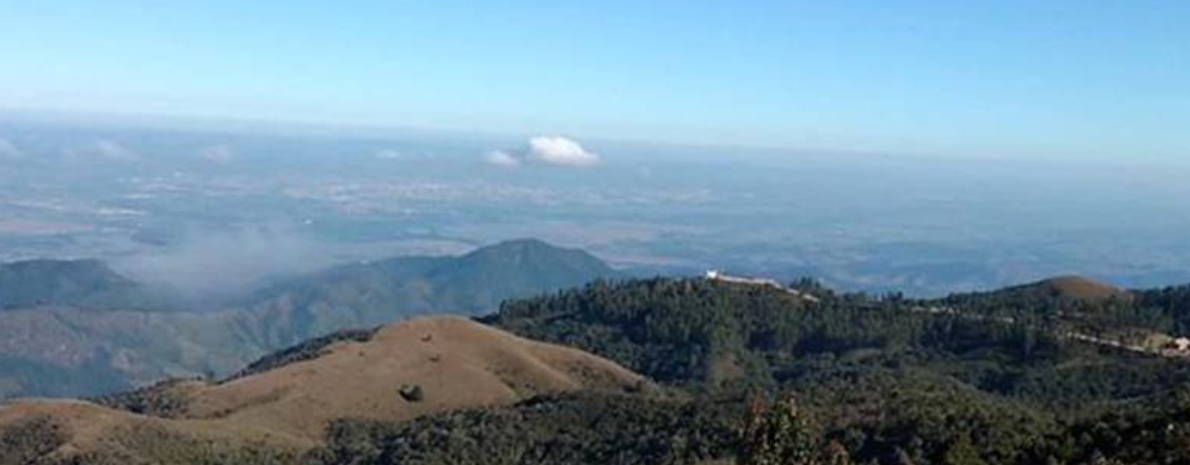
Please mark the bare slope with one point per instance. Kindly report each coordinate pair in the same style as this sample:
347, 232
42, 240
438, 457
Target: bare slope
456, 364
1079, 288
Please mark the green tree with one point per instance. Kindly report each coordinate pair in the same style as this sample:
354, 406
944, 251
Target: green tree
962, 452
780, 435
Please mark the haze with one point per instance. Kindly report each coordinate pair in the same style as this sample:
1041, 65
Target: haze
932, 148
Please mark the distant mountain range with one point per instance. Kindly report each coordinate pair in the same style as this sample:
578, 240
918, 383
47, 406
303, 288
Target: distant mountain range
55, 341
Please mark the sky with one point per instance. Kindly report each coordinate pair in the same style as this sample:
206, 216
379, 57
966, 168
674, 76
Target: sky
1062, 79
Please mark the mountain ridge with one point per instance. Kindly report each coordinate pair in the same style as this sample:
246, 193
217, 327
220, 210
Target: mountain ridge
52, 350
82, 282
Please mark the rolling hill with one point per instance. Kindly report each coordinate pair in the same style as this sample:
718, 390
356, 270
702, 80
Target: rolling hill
403, 372
1068, 287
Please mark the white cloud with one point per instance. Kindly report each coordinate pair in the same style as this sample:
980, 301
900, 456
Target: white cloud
550, 150
218, 154
9, 151
113, 150
502, 158
561, 151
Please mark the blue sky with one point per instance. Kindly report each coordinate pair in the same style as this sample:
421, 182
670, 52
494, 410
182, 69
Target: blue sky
1106, 79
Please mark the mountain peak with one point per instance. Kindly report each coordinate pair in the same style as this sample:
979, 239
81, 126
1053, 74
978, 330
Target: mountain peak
545, 259
519, 267
520, 246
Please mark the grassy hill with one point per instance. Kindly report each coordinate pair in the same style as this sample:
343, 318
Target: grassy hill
281, 415
1076, 287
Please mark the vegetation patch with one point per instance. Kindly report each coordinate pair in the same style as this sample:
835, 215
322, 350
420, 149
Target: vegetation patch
307, 350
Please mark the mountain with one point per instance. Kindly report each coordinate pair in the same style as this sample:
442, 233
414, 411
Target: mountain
71, 350
367, 294
402, 372
85, 283
515, 268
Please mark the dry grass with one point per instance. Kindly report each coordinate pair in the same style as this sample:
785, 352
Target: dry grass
458, 364
1079, 287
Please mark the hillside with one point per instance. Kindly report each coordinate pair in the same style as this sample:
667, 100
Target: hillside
368, 294
455, 362
713, 335
70, 350
450, 363
1078, 287
850, 356
84, 283
1072, 288
578, 428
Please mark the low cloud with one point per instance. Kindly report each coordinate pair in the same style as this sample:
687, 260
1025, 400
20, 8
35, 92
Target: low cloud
112, 150
502, 158
213, 264
218, 154
9, 151
548, 150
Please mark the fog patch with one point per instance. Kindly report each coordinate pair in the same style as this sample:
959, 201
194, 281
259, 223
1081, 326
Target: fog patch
112, 150
213, 266
220, 154
9, 151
